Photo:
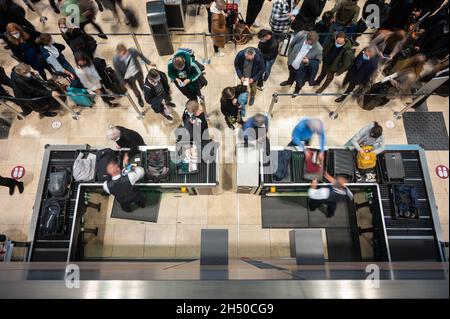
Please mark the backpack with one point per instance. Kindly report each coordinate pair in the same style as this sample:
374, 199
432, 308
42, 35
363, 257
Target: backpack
368, 160
284, 160
157, 167
58, 183
52, 221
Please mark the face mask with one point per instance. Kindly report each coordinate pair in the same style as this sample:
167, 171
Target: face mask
338, 45
64, 29
366, 57
16, 35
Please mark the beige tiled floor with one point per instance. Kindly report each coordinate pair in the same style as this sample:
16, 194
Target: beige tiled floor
181, 218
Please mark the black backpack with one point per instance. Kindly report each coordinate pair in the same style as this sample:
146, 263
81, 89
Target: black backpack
52, 219
58, 183
157, 167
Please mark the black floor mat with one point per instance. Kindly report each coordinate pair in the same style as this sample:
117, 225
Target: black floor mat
284, 212
147, 214
426, 129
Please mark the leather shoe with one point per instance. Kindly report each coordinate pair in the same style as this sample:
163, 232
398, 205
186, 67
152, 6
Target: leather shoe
286, 83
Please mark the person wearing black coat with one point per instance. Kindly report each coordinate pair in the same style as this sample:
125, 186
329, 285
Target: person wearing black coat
434, 42
77, 39
268, 46
361, 26
11, 184
361, 71
6, 81
230, 106
195, 122
26, 85
308, 14
254, 7
126, 138
157, 93
400, 14
10, 12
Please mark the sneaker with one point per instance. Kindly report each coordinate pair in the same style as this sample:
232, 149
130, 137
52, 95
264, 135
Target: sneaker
260, 87
219, 54
252, 100
256, 24
286, 83
231, 127
168, 117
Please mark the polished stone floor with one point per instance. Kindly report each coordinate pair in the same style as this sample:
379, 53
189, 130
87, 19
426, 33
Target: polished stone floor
177, 232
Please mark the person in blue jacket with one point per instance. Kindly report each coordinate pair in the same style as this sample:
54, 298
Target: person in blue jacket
256, 130
250, 66
304, 131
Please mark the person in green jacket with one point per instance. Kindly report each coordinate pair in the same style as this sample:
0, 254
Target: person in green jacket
338, 55
184, 71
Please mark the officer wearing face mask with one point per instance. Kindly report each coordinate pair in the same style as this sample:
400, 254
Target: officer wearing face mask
338, 55
361, 71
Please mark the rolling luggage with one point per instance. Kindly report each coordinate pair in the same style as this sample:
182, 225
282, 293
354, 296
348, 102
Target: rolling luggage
391, 166
342, 163
80, 96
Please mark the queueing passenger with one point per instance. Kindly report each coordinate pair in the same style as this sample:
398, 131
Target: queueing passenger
11, 184
90, 78
88, 12
254, 7
51, 52
249, 65
361, 71
370, 135
24, 48
123, 187
256, 130
346, 14
195, 122
268, 45
77, 39
129, 70
125, 138
232, 104
329, 195
323, 26
338, 55
26, 85
280, 18
307, 16
218, 25
304, 131
157, 93
304, 57
185, 72
10, 12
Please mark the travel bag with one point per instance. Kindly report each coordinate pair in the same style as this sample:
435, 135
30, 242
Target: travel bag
53, 219
157, 164
392, 168
58, 183
80, 97
367, 160
405, 202
312, 168
242, 33
285, 45
284, 161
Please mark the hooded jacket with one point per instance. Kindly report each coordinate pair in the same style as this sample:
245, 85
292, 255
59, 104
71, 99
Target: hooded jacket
343, 60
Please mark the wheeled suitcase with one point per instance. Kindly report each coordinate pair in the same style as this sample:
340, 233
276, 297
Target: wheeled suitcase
80, 97
285, 45
391, 166
341, 162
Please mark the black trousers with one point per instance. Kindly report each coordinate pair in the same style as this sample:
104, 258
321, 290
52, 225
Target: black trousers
139, 200
329, 78
95, 25
8, 182
314, 204
134, 81
254, 7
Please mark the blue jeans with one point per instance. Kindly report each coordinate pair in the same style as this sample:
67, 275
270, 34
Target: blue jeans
268, 69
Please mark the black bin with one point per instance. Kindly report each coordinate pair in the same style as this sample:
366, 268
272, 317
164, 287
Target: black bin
157, 20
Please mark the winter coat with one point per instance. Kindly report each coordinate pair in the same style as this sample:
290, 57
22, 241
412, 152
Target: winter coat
361, 70
150, 93
306, 18
344, 59
218, 26
78, 40
259, 65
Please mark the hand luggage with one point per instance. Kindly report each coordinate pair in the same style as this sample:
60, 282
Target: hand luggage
285, 45
132, 20
157, 164
58, 183
391, 166
341, 162
367, 160
52, 220
312, 168
80, 96
405, 202
242, 33
284, 162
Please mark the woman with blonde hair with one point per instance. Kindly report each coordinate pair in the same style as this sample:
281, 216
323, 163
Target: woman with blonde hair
24, 47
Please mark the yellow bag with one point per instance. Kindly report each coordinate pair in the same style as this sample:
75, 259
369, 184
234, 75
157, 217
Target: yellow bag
367, 160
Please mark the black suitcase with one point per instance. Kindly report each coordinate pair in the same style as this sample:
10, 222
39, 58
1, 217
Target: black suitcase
391, 166
341, 162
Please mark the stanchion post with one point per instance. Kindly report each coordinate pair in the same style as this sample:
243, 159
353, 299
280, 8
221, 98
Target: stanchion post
206, 59
334, 115
398, 115
12, 109
272, 104
139, 115
138, 46
75, 115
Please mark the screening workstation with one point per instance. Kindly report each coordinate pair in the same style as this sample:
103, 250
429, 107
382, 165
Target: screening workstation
391, 217
182, 171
